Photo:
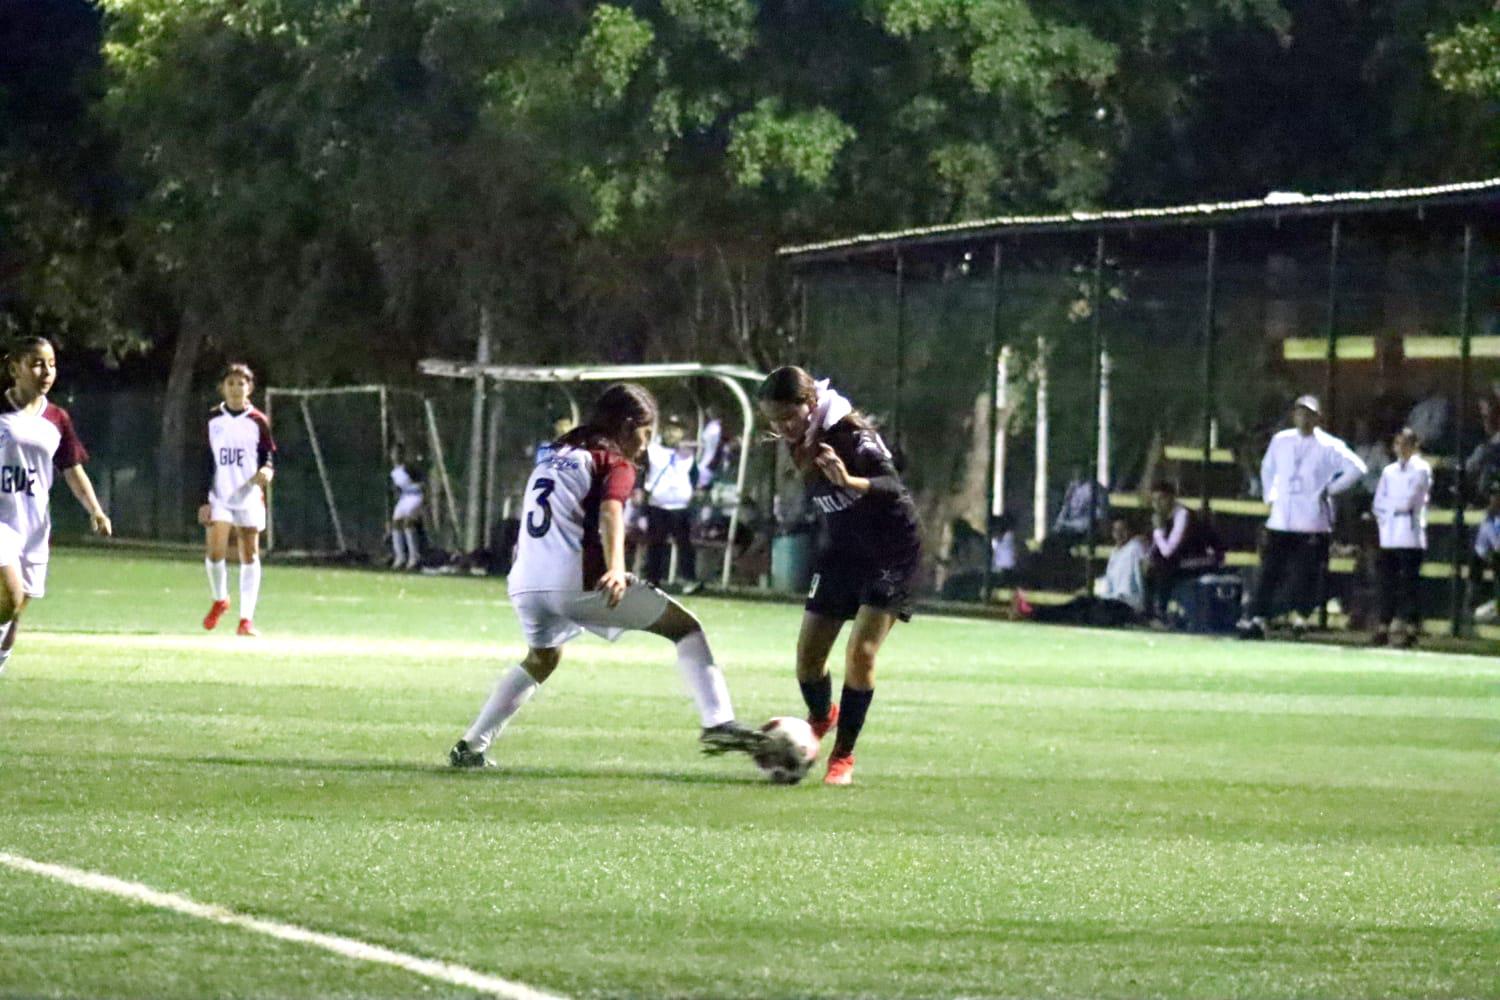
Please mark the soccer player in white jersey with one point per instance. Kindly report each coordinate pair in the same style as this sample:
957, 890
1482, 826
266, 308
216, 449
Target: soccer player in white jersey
240, 451
406, 480
569, 576
36, 439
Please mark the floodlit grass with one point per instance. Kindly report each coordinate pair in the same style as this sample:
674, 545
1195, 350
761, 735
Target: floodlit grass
1038, 811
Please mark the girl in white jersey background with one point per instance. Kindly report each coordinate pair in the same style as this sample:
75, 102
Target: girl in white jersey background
36, 439
238, 471
406, 481
569, 576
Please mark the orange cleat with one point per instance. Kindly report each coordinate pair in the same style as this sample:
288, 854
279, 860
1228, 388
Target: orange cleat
215, 612
840, 770
821, 726
247, 627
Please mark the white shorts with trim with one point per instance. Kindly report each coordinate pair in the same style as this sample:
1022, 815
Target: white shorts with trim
250, 516
33, 574
407, 507
550, 618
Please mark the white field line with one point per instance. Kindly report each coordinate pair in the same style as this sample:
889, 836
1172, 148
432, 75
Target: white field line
446, 972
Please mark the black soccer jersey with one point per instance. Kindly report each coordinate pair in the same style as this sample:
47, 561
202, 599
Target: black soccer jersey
878, 527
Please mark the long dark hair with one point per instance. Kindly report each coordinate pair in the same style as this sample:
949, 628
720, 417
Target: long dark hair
22, 346
620, 409
790, 384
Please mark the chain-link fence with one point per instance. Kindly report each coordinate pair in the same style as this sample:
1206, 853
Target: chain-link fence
1138, 353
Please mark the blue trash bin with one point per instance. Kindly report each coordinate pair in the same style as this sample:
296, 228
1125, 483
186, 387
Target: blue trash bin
791, 562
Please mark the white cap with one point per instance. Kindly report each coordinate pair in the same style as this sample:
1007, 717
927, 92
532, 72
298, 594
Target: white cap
1309, 403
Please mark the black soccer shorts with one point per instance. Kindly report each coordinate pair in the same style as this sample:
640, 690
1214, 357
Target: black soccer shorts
841, 585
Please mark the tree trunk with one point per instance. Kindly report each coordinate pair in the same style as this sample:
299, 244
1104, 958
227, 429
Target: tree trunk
171, 477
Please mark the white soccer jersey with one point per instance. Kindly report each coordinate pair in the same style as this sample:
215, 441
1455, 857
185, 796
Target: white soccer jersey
405, 483
239, 444
560, 547
32, 447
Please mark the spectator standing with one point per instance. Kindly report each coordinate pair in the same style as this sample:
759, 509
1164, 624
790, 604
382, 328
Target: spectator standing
1072, 523
1183, 546
671, 475
1400, 509
1303, 469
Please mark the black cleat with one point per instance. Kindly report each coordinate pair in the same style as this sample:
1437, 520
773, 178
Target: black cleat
1250, 630
731, 737
462, 756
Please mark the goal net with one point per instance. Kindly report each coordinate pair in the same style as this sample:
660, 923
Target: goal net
332, 494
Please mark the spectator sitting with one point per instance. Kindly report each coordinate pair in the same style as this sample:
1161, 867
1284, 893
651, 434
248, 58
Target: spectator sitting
1183, 547
1400, 509
1005, 549
1483, 463
967, 552
1073, 518
709, 438
668, 495
1486, 556
1119, 596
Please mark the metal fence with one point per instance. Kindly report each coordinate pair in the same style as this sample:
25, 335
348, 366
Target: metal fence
1008, 363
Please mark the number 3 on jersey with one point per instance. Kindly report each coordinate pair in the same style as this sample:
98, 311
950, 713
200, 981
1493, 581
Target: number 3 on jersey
534, 528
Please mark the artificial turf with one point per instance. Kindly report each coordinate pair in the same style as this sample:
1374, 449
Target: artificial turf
1037, 811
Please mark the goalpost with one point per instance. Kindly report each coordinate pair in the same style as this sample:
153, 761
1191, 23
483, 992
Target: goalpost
331, 495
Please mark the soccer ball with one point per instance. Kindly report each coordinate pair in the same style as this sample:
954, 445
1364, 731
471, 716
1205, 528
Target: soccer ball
791, 751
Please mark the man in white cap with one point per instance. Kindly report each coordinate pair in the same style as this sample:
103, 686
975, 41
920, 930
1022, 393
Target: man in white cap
1304, 468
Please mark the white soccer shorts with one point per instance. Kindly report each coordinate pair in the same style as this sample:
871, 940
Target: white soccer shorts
250, 516
407, 507
33, 574
550, 618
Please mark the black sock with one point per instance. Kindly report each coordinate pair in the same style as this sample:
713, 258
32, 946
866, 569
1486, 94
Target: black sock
819, 696
853, 704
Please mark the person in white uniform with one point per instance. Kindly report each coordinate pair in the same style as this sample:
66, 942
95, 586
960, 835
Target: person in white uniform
1304, 468
569, 577
408, 481
37, 440
240, 452
1400, 509
671, 480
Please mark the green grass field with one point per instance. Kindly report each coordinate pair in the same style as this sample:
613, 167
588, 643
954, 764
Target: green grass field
1038, 811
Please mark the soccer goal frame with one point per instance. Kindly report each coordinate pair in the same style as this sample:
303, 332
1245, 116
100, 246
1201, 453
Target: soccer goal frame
731, 377
299, 398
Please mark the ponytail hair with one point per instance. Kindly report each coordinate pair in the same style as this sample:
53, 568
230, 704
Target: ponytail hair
791, 385
619, 410
788, 384
237, 368
22, 346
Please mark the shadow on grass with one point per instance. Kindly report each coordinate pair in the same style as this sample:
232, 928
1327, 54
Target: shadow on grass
443, 771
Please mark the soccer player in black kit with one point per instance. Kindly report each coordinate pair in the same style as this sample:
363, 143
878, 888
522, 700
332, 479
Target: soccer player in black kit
865, 571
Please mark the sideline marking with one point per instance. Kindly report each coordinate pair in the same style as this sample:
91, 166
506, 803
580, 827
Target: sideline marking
447, 972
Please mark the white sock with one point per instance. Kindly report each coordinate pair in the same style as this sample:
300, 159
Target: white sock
4, 653
411, 547
398, 546
514, 688
705, 682
218, 578
249, 588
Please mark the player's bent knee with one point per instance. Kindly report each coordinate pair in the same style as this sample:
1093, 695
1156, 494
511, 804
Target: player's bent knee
541, 662
676, 623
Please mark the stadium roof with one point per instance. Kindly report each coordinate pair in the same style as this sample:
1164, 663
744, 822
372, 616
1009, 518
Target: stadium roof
1274, 206
583, 373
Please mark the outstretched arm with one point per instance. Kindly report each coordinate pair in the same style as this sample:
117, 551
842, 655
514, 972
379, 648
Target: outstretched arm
83, 488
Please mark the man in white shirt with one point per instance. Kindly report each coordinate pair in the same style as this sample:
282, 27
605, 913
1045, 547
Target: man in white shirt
1400, 509
671, 477
1303, 469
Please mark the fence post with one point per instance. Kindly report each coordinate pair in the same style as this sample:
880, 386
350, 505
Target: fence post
1460, 534
1096, 362
900, 345
1210, 294
996, 470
